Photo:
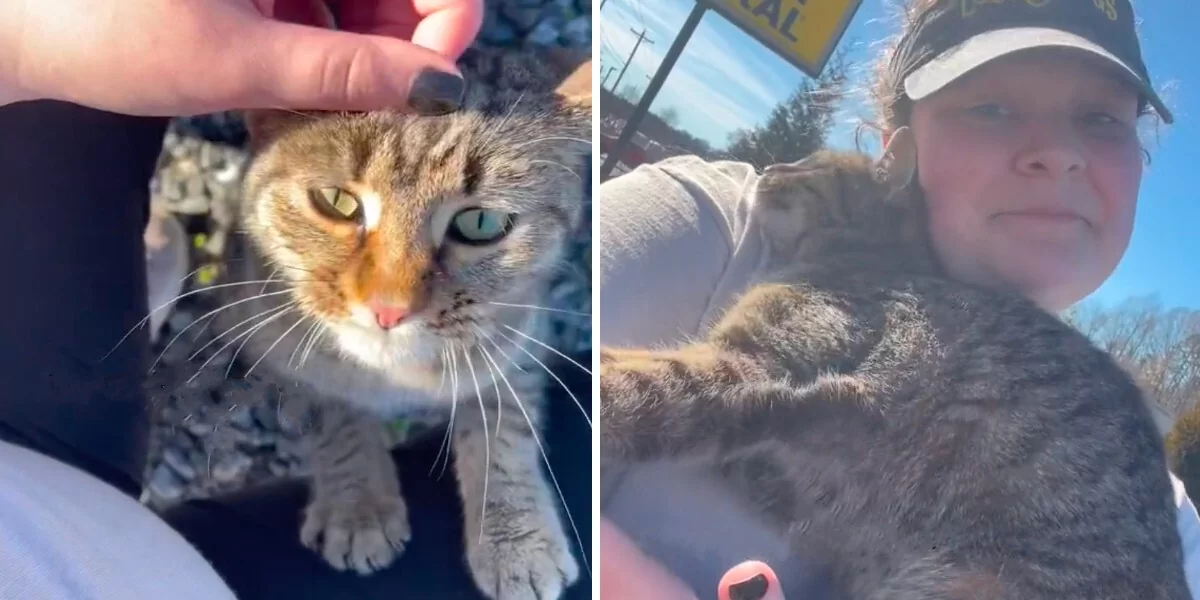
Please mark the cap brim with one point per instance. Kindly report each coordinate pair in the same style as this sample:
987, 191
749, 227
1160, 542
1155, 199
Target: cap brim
988, 46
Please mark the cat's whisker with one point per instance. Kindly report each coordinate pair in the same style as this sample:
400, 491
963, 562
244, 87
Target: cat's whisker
487, 442
312, 342
487, 362
546, 346
298, 113
442, 379
205, 316
250, 332
447, 353
268, 282
170, 302
273, 344
500, 125
300, 344
514, 363
269, 262
453, 407
200, 332
545, 308
551, 139
518, 346
549, 468
550, 162
191, 274
441, 383
233, 359
239, 324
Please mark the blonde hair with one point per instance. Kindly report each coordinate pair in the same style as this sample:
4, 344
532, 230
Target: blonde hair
892, 107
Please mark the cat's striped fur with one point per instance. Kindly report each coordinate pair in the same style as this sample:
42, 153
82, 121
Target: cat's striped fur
916, 437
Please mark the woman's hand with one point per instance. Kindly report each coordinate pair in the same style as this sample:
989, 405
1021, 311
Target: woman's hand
628, 574
184, 57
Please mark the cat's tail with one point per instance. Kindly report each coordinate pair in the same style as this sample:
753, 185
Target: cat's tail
656, 403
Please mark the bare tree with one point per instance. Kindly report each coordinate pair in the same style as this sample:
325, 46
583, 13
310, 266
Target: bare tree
797, 126
1160, 347
631, 93
670, 116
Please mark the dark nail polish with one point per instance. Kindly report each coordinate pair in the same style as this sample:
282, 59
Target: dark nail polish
436, 92
754, 588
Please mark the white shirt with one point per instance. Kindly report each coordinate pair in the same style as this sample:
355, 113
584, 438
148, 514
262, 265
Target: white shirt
65, 535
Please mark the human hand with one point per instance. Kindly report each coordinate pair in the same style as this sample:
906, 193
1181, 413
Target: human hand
185, 57
628, 574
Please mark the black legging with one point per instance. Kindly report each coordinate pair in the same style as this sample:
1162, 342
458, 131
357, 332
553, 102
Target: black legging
76, 198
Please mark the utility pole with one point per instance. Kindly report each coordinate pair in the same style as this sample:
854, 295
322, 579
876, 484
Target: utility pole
643, 105
608, 71
641, 37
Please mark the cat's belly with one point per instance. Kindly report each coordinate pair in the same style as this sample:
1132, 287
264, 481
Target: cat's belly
682, 516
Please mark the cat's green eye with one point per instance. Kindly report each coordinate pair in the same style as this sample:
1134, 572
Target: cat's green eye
336, 203
479, 226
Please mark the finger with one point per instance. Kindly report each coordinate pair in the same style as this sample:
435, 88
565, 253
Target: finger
628, 574
751, 580
285, 65
444, 26
449, 26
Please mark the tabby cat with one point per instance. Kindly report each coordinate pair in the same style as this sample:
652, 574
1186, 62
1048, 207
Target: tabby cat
392, 265
917, 437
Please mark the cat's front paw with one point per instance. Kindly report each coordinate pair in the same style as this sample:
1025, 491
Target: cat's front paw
522, 560
363, 532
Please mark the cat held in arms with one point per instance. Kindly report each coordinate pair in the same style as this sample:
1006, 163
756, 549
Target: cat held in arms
912, 436
396, 264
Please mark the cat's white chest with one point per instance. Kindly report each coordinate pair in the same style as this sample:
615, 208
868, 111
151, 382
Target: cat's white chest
405, 351
404, 357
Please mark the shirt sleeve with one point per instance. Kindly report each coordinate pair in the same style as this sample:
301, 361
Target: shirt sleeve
667, 233
1189, 531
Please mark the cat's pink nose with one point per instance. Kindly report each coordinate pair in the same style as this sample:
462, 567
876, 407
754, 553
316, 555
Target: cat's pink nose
388, 315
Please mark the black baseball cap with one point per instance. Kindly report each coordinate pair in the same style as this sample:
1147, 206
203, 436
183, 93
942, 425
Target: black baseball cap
957, 36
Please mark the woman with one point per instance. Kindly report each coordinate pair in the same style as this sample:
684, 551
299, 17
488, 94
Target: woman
73, 427
1025, 122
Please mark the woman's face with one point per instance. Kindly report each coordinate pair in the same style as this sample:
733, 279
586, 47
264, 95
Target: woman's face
1031, 166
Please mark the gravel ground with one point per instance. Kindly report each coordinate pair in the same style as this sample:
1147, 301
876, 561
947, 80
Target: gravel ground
215, 429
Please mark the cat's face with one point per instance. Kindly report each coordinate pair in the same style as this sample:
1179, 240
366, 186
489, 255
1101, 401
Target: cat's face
398, 232
833, 202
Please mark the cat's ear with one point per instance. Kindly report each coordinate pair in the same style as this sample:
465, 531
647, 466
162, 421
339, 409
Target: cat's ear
576, 84
264, 125
898, 165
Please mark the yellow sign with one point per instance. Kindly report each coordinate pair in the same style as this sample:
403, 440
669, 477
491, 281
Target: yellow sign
804, 32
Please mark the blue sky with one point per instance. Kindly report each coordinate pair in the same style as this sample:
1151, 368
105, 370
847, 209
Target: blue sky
724, 80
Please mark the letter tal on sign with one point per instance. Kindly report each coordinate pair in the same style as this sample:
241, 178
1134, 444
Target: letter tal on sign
803, 32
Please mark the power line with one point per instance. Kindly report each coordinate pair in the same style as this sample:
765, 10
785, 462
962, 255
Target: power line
641, 37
